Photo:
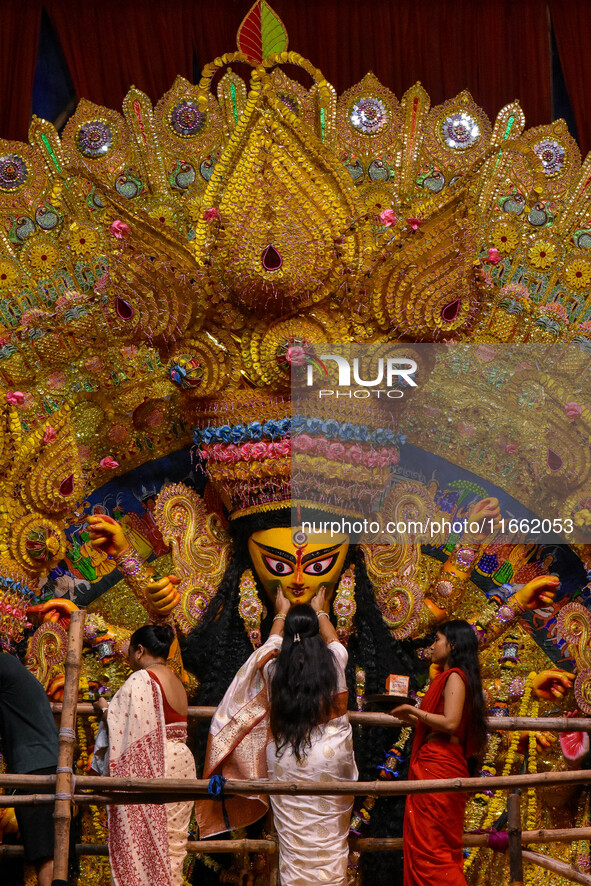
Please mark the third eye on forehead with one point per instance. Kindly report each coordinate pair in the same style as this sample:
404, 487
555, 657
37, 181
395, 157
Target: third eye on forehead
291, 558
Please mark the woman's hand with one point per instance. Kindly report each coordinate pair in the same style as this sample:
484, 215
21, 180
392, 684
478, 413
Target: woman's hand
100, 707
106, 535
318, 600
406, 713
282, 604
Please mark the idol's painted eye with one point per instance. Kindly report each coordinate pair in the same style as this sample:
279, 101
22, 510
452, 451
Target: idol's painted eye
278, 567
321, 567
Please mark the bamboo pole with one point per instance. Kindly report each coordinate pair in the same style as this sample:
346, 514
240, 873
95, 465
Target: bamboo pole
369, 718
557, 867
194, 847
514, 830
360, 844
186, 786
116, 789
65, 757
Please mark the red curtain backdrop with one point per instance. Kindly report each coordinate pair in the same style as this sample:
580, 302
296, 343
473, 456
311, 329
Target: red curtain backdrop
111, 45
572, 28
497, 49
20, 23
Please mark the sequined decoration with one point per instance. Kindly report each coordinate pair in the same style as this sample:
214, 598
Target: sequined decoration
94, 138
369, 115
460, 131
186, 119
13, 172
551, 154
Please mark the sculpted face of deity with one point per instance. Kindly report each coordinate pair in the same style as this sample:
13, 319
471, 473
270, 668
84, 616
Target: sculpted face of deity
297, 562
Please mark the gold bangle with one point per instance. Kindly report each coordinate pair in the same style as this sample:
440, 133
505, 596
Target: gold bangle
282, 617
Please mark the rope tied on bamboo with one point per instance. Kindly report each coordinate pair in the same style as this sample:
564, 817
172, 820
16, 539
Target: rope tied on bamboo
66, 732
496, 840
215, 789
62, 795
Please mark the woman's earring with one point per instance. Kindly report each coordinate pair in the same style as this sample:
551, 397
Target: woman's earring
344, 605
250, 607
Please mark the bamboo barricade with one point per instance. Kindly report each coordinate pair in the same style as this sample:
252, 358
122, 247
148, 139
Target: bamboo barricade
167, 790
514, 831
65, 758
135, 790
368, 718
361, 844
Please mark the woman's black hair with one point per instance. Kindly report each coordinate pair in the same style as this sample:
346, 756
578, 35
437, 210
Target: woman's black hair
221, 637
156, 639
464, 654
304, 683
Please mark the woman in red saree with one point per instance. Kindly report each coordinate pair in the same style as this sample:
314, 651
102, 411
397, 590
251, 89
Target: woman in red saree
449, 729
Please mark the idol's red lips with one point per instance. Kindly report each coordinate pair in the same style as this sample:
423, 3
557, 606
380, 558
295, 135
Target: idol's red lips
297, 592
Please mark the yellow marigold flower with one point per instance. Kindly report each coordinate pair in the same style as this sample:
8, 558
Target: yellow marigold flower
505, 238
542, 254
8, 274
42, 256
82, 240
578, 274
163, 214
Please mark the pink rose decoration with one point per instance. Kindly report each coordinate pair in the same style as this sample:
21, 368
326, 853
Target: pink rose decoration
120, 229
394, 457
493, 257
15, 398
108, 463
50, 435
282, 448
511, 448
296, 355
355, 454
211, 214
387, 218
303, 443
336, 451
414, 223
322, 447
370, 459
259, 451
245, 451
572, 410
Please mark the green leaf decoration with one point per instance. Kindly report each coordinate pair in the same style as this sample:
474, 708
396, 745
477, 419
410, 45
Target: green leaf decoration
261, 33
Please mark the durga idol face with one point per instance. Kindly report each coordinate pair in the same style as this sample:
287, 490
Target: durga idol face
298, 563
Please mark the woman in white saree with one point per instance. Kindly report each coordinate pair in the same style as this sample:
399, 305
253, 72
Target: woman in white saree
284, 718
147, 732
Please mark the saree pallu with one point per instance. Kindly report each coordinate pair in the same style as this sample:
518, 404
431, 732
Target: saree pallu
147, 843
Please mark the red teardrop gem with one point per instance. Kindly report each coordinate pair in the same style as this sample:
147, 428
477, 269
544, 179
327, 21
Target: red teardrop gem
123, 308
450, 311
66, 487
553, 460
272, 261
